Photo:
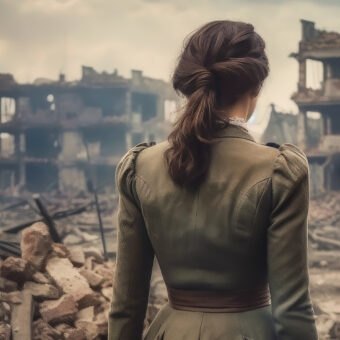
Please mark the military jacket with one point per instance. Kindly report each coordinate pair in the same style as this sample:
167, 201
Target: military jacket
246, 225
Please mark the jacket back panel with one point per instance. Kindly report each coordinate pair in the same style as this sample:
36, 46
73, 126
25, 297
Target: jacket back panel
215, 238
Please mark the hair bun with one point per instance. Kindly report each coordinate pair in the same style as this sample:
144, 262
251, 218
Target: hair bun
196, 77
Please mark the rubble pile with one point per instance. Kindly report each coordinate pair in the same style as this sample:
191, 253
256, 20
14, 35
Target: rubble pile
324, 231
54, 292
324, 254
325, 209
63, 291
74, 215
76, 209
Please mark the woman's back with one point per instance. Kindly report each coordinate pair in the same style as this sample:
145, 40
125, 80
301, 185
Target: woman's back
244, 228
215, 238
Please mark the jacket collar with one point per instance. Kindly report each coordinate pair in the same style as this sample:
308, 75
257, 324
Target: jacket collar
233, 130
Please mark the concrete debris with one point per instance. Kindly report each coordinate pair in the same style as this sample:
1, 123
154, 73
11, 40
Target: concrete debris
13, 298
71, 288
5, 331
62, 310
95, 253
42, 290
39, 277
67, 294
71, 333
86, 314
35, 244
77, 256
68, 278
43, 331
83, 279
92, 278
5, 312
22, 317
16, 269
7, 285
324, 219
59, 250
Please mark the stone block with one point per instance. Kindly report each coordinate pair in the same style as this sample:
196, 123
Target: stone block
39, 277
43, 331
69, 280
5, 331
92, 278
42, 290
16, 269
77, 256
57, 311
7, 285
35, 244
71, 333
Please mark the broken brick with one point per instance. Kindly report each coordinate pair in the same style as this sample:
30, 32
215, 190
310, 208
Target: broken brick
36, 244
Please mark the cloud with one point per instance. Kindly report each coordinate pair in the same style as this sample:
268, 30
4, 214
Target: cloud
40, 38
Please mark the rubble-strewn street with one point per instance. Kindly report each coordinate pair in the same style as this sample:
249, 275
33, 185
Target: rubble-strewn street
64, 290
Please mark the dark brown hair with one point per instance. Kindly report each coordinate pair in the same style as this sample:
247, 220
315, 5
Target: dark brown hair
220, 62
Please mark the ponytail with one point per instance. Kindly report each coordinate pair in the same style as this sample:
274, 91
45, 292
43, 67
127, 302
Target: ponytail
211, 76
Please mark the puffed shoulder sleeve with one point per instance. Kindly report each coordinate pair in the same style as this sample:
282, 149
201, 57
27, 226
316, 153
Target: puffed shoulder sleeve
134, 258
287, 238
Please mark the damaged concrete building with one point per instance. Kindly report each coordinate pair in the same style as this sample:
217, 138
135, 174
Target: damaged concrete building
316, 128
320, 48
283, 128
46, 127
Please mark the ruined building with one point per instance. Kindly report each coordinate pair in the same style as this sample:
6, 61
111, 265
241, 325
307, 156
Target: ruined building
316, 129
47, 127
283, 128
321, 48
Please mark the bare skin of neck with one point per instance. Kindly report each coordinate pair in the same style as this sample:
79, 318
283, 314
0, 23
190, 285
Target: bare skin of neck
244, 107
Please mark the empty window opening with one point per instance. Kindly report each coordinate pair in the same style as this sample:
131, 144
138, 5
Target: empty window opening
7, 109
145, 104
7, 144
42, 143
41, 177
314, 74
170, 112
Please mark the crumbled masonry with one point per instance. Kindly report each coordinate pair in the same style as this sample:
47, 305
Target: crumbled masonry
56, 292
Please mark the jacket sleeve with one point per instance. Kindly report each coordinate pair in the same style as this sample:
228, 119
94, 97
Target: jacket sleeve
134, 258
287, 239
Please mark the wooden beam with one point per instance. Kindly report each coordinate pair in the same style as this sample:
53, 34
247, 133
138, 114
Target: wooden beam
22, 317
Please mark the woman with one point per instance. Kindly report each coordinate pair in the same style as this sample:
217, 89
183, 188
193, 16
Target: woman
225, 216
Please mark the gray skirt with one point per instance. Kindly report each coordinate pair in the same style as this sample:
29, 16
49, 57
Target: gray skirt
174, 324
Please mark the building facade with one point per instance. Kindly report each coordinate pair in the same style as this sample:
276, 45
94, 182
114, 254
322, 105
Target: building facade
53, 134
319, 49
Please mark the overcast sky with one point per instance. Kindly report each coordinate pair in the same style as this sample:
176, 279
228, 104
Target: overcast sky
40, 38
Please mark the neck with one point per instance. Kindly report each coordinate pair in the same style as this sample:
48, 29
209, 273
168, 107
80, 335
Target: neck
241, 109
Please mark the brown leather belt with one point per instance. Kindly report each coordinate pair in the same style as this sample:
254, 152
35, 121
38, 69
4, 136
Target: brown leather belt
219, 300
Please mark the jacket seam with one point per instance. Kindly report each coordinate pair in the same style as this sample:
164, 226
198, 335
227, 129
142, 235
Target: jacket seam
136, 191
245, 194
260, 199
256, 183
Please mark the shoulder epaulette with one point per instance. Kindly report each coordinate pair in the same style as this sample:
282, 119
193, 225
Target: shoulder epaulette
273, 145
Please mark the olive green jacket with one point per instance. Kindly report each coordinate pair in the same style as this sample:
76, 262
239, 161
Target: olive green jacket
246, 225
